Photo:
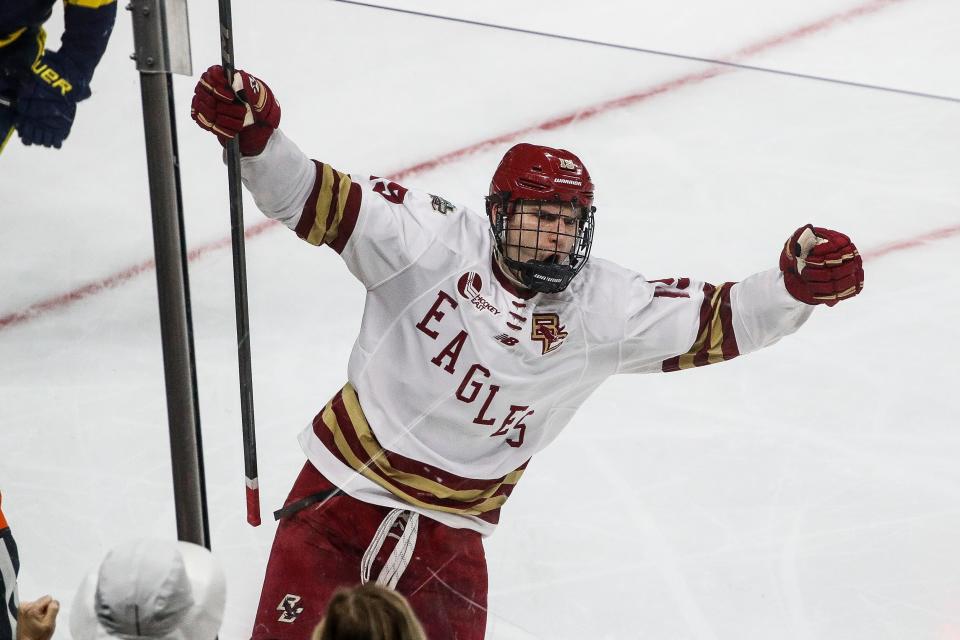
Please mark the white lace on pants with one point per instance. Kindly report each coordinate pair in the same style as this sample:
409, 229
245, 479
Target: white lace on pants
400, 557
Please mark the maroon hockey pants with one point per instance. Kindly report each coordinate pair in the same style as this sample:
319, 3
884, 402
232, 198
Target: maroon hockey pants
319, 548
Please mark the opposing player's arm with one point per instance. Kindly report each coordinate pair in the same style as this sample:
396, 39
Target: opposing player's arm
46, 101
87, 27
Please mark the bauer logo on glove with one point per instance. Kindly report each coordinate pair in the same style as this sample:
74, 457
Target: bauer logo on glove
47, 101
51, 77
821, 266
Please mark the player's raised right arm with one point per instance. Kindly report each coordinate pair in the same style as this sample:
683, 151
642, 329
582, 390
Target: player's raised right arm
322, 205
248, 109
286, 185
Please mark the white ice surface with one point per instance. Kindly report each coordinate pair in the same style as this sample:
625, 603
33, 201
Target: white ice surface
808, 491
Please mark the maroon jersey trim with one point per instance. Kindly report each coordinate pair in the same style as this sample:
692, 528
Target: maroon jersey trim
716, 341
329, 215
343, 430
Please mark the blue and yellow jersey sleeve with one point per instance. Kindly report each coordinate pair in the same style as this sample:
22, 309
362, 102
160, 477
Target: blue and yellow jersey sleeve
87, 28
22, 19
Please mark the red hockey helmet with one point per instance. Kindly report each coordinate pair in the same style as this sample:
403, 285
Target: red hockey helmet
533, 173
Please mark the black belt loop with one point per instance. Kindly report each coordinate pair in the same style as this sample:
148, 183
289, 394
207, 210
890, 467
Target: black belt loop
303, 503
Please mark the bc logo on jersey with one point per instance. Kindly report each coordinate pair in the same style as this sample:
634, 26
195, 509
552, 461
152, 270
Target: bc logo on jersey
547, 330
289, 608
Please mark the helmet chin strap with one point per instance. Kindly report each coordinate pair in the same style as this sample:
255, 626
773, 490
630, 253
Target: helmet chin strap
508, 272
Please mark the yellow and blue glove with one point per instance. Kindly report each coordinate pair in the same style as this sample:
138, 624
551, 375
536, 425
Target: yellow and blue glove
47, 100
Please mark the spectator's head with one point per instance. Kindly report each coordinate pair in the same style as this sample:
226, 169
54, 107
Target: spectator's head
155, 589
368, 612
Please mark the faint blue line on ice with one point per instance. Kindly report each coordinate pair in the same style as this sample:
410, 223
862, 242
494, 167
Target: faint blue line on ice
664, 555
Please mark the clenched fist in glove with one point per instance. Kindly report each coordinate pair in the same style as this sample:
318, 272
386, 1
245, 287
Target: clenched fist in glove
248, 108
821, 266
47, 100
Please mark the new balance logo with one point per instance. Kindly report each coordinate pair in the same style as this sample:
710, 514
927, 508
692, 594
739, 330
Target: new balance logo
288, 608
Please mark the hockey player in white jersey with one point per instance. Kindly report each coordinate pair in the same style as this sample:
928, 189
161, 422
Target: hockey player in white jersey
481, 336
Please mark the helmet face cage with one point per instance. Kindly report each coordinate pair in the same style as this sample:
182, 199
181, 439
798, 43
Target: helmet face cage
549, 271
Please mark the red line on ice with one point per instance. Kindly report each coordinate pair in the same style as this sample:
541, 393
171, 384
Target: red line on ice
628, 100
912, 243
85, 291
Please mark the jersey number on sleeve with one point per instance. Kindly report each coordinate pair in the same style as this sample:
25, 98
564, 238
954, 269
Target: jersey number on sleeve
391, 191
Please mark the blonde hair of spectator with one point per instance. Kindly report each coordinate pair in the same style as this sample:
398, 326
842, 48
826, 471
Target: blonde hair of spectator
368, 612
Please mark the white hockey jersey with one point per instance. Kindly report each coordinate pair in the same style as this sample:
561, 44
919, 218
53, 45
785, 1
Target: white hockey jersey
457, 378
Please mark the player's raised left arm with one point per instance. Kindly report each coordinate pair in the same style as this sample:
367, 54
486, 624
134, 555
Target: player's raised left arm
682, 323
817, 267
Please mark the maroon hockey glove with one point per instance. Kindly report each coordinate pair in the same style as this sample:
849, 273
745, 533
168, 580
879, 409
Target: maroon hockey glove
821, 266
248, 108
